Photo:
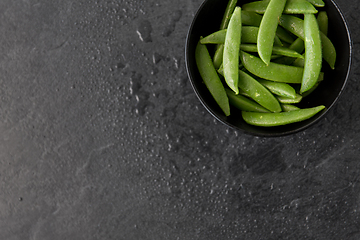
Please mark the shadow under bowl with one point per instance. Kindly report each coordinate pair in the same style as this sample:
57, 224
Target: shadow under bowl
207, 20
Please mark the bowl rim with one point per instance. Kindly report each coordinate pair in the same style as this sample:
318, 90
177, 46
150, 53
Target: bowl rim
319, 115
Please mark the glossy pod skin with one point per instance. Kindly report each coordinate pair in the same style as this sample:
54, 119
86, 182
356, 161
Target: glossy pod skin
295, 25
206, 21
231, 50
278, 88
244, 103
291, 7
211, 78
283, 51
323, 22
317, 3
218, 56
282, 118
313, 53
274, 71
267, 29
248, 35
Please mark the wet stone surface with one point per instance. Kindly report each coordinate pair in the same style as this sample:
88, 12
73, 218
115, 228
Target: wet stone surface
102, 136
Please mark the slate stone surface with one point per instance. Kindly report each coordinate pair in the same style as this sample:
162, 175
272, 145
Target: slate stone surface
102, 136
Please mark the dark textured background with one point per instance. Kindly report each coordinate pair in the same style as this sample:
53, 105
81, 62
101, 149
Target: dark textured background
102, 136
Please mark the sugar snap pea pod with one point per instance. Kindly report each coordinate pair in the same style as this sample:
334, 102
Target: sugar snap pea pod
217, 37
298, 46
218, 56
295, 25
287, 100
250, 18
242, 92
254, 19
282, 118
299, 62
258, 92
276, 50
274, 71
313, 54
289, 107
323, 22
278, 88
248, 35
244, 103
211, 78
219, 50
291, 7
231, 51
307, 93
227, 15
317, 3
328, 50
267, 29
284, 35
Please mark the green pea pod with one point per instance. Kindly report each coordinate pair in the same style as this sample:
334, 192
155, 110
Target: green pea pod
287, 100
248, 35
328, 50
298, 46
313, 55
231, 51
267, 29
291, 7
244, 103
254, 19
284, 35
278, 88
218, 56
323, 22
250, 18
219, 50
258, 92
210, 77
295, 25
317, 3
299, 62
276, 50
217, 37
305, 94
251, 88
279, 119
227, 15
274, 71
289, 107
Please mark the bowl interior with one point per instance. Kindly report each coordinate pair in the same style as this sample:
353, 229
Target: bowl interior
207, 20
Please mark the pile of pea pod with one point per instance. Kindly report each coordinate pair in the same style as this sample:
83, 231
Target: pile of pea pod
268, 56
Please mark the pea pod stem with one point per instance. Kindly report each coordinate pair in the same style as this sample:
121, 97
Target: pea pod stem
279, 119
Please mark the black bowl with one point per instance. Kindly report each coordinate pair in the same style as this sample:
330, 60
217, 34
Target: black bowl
207, 20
